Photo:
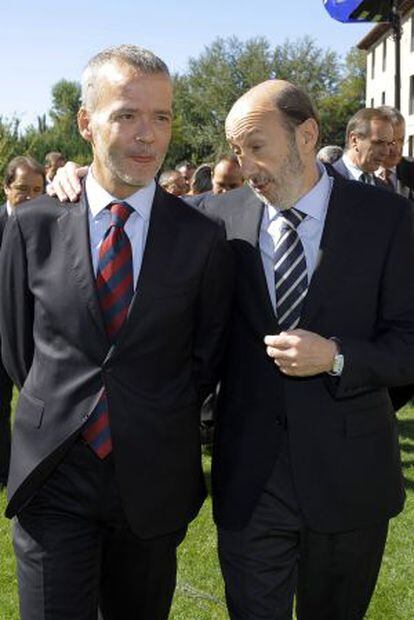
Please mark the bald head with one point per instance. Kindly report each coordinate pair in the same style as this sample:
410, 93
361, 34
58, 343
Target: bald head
293, 104
226, 175
273, 130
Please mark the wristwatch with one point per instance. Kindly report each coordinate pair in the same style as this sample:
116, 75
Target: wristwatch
338, 360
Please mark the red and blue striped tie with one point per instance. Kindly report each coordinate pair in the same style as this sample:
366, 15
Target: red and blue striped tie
115, 286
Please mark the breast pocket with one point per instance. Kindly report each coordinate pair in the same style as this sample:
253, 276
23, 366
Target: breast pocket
29, 409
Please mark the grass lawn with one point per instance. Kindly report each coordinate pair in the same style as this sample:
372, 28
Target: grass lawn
199, 594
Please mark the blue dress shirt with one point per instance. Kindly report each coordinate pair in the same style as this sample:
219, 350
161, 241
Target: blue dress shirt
137, 224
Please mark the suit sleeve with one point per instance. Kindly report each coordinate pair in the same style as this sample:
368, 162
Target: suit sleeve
213, 314
16, 305
388, 359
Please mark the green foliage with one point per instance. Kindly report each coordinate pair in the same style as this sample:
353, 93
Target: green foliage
204, 96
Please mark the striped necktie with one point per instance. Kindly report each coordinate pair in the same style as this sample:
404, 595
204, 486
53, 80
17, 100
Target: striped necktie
291, 277
115, 286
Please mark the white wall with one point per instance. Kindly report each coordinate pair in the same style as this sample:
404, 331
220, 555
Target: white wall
383, 81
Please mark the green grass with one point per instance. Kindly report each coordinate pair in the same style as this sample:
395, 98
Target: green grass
199, 594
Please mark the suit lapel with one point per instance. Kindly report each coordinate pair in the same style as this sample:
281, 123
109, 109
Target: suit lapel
162, 233
74, 230
243, 230
333, 253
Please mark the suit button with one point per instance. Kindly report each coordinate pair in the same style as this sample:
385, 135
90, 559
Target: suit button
278, 422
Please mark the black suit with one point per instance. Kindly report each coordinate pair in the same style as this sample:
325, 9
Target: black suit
6, 391
338, 437
156, 375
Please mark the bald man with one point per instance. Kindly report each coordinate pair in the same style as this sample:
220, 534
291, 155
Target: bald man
306, 467
226, 175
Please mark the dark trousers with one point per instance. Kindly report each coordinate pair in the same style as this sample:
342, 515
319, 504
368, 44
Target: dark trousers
6, 393
276, 556
75, 550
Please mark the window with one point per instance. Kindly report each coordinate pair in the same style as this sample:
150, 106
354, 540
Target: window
372, 102
384, 55
383, 97
412, 32
411, 101
373, 64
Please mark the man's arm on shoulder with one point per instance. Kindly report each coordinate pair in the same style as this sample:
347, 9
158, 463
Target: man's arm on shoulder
213, 313
16, 305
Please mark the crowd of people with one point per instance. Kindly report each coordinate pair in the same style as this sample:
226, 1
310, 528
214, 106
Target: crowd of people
275, 284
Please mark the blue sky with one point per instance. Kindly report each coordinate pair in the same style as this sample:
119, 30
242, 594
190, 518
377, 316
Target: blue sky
42, 42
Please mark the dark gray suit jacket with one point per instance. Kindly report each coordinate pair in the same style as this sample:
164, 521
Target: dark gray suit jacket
157, 374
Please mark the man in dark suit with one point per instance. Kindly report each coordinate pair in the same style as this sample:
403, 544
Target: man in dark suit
368, 139
24, 179
112, 322
306, 466
397, 171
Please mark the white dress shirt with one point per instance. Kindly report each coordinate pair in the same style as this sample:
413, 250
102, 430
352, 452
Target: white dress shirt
9, 208
136, 226
356, 172
314, 204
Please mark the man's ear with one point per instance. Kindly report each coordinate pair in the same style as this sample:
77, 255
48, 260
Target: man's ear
84, 124
353, 140
308, 134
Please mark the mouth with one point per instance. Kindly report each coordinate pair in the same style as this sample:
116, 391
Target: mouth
142, 159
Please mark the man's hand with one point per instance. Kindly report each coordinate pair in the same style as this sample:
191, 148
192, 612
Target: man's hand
66, 183
300, 353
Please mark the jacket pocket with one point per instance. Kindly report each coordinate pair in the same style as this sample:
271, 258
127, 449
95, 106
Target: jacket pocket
30, 408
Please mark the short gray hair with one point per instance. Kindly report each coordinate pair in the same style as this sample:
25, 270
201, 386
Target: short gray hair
394, 115
330, 154
137, 57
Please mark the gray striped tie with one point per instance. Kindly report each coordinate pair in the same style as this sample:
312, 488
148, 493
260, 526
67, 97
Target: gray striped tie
291, 278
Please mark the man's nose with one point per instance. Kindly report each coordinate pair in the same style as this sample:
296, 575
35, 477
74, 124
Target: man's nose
144, 131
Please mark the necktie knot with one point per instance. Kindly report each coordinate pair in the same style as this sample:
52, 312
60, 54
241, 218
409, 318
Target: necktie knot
120, 212
366, 178
293, 217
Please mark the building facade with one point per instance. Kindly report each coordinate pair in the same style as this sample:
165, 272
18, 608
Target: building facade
380, 47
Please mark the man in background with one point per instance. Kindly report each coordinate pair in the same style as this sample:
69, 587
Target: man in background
53, 161
173, 182
397, 171
23, 179
368, 139
226, 175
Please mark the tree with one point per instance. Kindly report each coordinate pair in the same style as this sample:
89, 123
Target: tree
229, 67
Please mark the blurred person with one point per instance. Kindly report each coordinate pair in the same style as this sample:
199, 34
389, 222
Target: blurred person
112, 321
226, 175
53, 161
23, 179
173, 182
201, 180
368, 140
397, 171
186, 169
330, 154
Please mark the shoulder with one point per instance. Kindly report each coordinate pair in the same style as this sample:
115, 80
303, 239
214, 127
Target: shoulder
376, 203
186, 214
41, 208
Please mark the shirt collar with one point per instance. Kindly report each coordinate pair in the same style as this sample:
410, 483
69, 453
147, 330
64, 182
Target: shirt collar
315, 202
9, 208
353, 169
98, 198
